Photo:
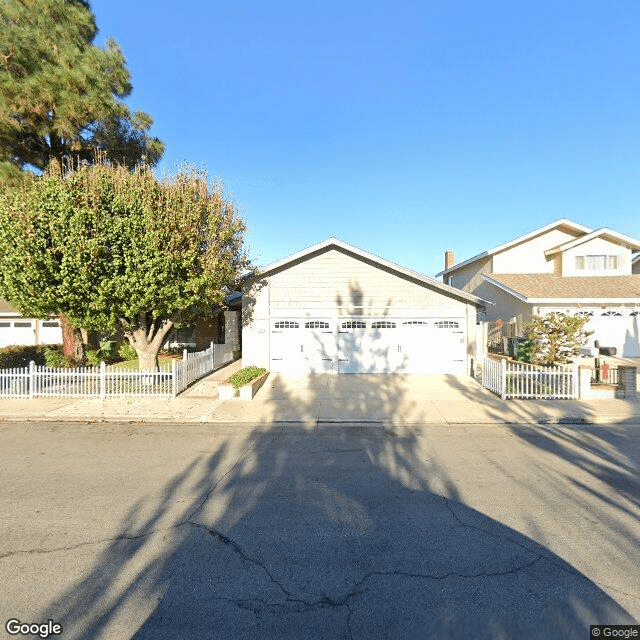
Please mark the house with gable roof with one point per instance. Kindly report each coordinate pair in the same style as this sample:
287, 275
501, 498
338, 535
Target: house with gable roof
563, 267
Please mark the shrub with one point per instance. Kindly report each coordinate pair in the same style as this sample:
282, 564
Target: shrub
242, 377
54, 358
93, 358
18, 356
127, 352
554, 338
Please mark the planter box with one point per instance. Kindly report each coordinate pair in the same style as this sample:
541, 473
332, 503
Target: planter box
246, 392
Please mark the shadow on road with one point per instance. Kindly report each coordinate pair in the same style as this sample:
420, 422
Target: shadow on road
343, 532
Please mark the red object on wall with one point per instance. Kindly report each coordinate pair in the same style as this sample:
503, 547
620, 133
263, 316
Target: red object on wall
605, 372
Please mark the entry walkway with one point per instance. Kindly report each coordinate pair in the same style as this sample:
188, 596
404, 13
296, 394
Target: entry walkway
310, 399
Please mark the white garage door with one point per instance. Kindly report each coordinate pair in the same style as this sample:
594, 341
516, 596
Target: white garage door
366, 345
17, 332
619, 329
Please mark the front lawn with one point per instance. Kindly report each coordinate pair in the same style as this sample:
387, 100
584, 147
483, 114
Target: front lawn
133, 364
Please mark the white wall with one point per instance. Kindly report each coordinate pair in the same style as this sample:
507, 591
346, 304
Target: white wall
597, 246
528, 257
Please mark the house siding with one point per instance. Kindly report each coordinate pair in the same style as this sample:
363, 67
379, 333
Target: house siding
335, 284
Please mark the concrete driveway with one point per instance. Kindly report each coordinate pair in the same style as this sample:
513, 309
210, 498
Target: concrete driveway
211, 531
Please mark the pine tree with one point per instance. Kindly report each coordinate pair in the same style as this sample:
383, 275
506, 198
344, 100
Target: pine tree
61, 96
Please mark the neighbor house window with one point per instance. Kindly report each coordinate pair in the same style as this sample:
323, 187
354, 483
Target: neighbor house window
596, 263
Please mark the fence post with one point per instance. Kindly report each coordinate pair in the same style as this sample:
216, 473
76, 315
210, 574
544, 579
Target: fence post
174, 385
103, 379
184, 354
503, 379
32, 377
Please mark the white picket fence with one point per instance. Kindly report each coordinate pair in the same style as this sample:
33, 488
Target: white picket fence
521, 380
109, 382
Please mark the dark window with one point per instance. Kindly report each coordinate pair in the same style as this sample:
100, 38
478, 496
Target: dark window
5, 324
354, 324
383, 324
446, 324
416, 323
584, 314
316, 324
286, 324
50, 323
611, 313
22, 325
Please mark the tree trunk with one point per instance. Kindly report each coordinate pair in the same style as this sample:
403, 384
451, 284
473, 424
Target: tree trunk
147, 338
148, 359
72, 346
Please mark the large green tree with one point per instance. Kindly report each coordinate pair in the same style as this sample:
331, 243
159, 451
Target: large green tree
61, 96
114, 248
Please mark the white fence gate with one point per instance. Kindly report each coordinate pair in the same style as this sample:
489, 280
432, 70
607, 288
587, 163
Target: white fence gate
108, 382
521, 380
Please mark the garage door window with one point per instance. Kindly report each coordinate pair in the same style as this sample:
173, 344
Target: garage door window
584, 314
316, 324
611, 313
286, 324
354, 324
415, 323
52, 323
447, 324
383, 324
5, 324
22, 325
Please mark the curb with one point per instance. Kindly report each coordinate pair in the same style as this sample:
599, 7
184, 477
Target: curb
212, 420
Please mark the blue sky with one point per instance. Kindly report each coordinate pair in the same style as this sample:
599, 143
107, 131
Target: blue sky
404, 128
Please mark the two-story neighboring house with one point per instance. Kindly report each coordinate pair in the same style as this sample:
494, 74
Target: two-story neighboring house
566, 267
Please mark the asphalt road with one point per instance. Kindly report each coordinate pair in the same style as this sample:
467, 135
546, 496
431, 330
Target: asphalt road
341, 531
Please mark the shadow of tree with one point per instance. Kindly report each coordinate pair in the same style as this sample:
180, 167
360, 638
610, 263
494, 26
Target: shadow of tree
325, 531
352, 531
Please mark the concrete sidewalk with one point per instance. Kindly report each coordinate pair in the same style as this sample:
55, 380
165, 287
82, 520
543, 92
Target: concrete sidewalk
318, 398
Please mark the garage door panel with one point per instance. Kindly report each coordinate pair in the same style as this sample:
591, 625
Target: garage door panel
370, 345
319, 346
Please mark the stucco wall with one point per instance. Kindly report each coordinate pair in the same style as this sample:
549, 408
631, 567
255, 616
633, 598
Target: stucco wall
469, 277
505, 306
597, 246
528, 257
